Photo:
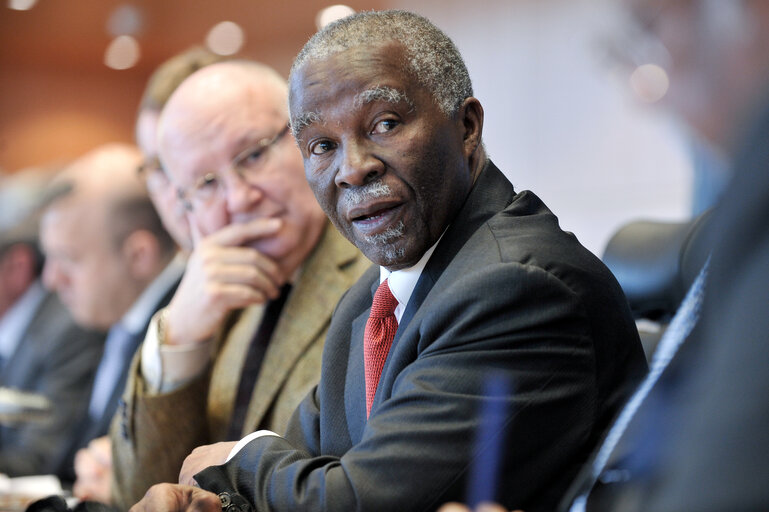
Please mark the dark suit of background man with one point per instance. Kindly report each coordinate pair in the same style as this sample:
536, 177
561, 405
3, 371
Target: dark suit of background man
95, 466
112, 264
700, 440
41, 351
485, 281
697, 439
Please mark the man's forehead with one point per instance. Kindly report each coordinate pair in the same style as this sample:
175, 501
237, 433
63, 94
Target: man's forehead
198, 113
383, 93
353, 78
362, 63
71, 214
218, 134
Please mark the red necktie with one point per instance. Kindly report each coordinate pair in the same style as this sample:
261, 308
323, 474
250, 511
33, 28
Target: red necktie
378, 337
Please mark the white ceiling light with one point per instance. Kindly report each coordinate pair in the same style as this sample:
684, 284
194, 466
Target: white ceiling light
649, 82
21, 5
331, 14
225, 38
122, 53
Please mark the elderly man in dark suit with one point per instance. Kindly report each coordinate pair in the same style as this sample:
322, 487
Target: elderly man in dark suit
474, 279
112, 264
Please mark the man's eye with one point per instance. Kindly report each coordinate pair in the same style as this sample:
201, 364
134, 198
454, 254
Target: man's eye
208, 181
252, 157
385, 125
323, 146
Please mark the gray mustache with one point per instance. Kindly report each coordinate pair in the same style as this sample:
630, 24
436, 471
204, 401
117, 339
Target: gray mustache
374, 190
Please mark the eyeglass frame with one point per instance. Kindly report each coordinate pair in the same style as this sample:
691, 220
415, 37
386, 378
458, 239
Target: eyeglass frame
152, 167
263, 146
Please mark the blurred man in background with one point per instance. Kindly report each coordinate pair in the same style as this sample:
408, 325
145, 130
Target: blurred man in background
161, 84
697, 439
109, 259
94, 465
42, 351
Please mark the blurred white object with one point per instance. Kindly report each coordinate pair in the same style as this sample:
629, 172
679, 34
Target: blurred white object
20, 193
17, 493
23, 407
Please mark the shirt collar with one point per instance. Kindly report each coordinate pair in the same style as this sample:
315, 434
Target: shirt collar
137, 317
402, 282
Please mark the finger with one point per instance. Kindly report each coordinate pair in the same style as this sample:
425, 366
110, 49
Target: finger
247, 276
489, 507
79, 490
166, 497
453, 507
227, 296
239, 234
195, 233
83, 463
243, 256
101, 450
204, 501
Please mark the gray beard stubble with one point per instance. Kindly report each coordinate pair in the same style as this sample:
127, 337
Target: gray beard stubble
374, 190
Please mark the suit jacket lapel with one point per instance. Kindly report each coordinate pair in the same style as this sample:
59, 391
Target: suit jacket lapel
355, 388
233, 341
305, 316
102, 426
491, 193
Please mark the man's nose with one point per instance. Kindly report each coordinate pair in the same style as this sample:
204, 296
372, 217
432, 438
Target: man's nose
51, 274
359, 165
240, 194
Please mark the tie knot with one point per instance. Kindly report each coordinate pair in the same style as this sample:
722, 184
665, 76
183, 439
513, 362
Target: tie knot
384, 302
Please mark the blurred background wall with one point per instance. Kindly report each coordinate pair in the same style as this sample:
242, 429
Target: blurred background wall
562, 118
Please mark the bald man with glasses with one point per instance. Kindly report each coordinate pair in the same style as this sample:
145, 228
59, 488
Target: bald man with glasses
239, 345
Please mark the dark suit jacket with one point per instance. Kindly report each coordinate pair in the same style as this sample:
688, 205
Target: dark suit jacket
505, 291
58, 360
700, 442
90, 428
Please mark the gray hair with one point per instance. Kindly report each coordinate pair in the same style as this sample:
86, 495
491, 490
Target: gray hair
432, 57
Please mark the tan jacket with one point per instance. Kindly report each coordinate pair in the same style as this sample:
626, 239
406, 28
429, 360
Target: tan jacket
152, 434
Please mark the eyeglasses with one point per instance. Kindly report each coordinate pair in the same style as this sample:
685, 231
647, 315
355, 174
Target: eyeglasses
248, 165
153, 174
149, 166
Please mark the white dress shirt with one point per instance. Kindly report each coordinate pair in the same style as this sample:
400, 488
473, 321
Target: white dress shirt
402, 283
121, 335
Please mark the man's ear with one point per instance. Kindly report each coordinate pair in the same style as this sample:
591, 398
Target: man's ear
20, 262
141, 250
471, 116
